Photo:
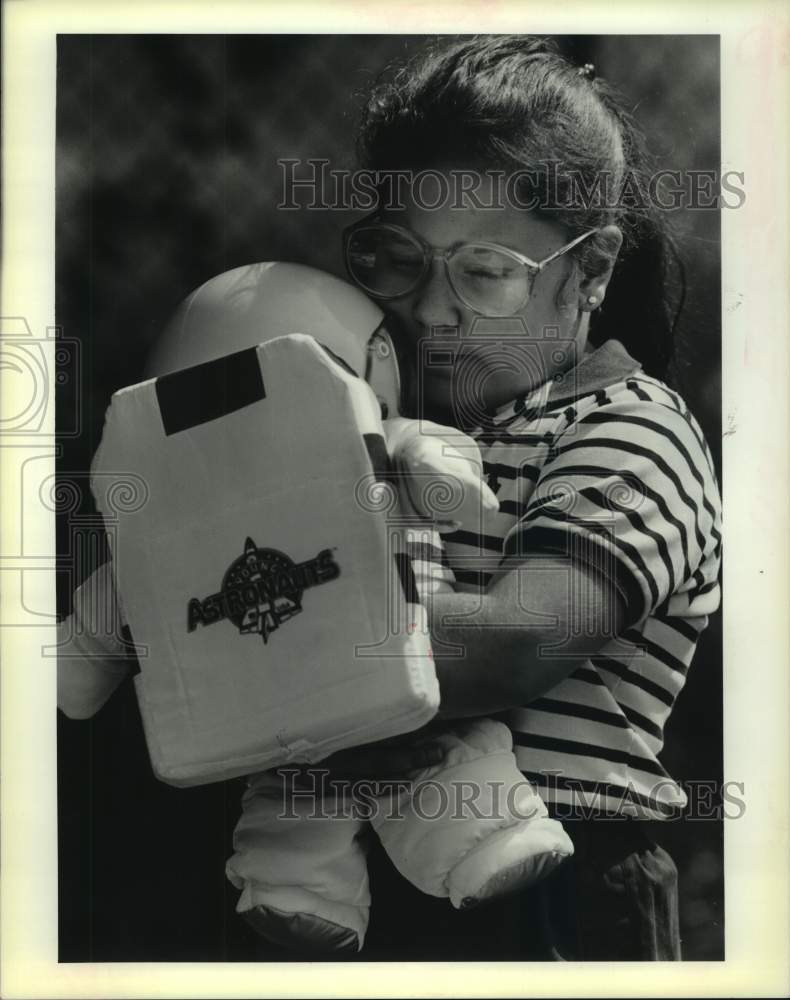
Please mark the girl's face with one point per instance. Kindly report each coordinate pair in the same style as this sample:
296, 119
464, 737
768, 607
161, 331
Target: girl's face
466, 363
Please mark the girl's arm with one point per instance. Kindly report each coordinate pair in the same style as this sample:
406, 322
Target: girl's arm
539, 619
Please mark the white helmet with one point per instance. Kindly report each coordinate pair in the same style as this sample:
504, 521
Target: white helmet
255, 303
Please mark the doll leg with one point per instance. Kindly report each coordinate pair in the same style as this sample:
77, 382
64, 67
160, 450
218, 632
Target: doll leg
472, 827
301, 868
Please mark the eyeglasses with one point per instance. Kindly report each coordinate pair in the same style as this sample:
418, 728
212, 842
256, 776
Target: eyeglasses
388, 261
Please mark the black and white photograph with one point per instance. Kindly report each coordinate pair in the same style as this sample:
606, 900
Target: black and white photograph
386, 497
576, 344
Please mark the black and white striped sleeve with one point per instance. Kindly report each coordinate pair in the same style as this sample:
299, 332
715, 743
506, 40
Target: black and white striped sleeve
629, 489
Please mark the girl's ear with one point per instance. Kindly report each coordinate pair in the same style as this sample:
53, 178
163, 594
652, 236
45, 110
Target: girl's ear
592, 290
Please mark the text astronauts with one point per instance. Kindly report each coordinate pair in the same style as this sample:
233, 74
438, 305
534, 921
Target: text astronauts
261, 590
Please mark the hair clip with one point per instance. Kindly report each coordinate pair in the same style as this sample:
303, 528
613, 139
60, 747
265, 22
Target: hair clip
587, 70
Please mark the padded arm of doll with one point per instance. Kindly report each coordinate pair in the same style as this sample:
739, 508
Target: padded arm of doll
441, 471
92, 656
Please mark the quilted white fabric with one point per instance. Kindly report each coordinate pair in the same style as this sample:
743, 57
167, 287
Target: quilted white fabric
265, 525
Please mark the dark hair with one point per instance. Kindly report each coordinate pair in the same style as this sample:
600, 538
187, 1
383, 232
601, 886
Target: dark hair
513, 102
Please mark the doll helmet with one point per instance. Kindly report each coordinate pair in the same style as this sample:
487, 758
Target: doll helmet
249, 305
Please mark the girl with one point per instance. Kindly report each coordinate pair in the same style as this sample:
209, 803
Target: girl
580, 602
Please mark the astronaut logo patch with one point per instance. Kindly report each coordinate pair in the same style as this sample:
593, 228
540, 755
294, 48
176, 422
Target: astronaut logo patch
261, 589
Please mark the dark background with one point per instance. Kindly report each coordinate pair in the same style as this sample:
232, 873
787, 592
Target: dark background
167, 175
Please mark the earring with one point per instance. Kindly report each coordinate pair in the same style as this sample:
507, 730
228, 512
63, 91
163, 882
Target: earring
592, 299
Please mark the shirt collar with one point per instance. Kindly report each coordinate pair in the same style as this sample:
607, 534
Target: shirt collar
599, 369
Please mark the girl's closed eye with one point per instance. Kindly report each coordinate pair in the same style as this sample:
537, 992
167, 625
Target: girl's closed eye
492, 269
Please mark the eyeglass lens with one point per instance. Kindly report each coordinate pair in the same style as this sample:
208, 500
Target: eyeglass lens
388, 263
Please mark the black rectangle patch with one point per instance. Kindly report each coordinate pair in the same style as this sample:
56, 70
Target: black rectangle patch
377, 452
206, 392
407, 581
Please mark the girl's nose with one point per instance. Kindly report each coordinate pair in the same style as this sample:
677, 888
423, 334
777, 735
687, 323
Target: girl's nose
435, 303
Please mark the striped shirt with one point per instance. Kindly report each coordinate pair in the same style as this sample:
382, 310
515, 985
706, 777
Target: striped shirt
608, 466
